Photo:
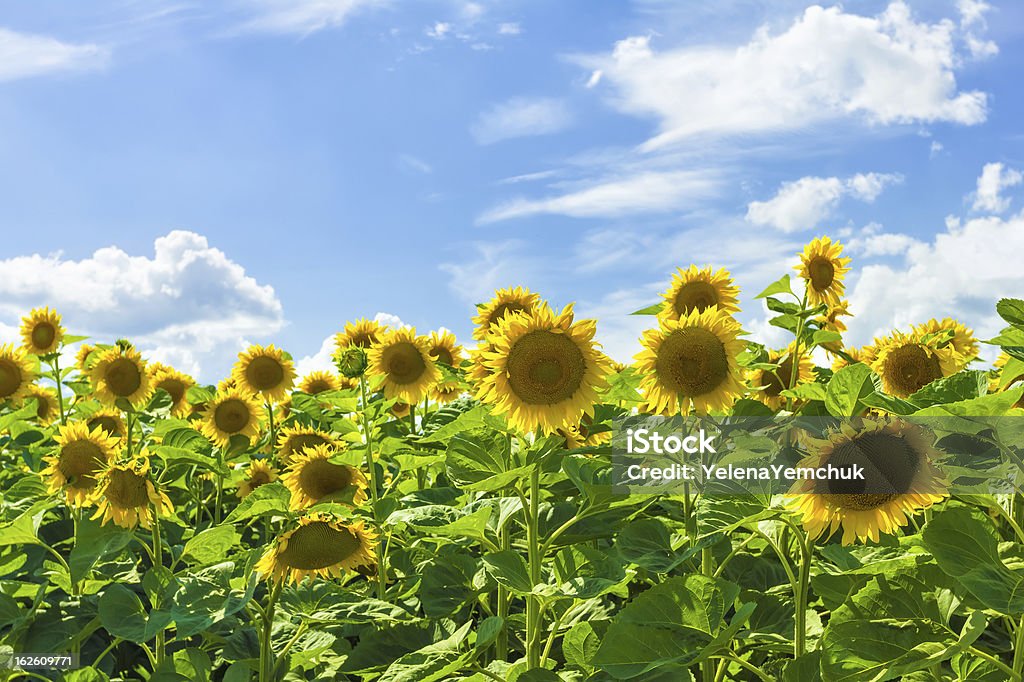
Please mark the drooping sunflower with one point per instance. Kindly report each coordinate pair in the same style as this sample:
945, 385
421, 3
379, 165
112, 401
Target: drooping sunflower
580, 435
402, 359
768, 384
292, 440
963, 341
855, 355
900, 478
260, 472
446, 391
444, 348
110, 421
124, 492
691, 360
231, 413
175, 383
84, 357
319, 382
505, 301
543, 370
41, 332
321, 544
80, 455
120, 372
47, 407
823, 270
363, 333
400, 410
906, 364
264, 370
312, 477
831, 321
16, 373
699, 289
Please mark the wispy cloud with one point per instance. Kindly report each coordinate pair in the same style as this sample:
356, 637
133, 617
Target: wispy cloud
804, 203
300, 16
521, 117
24, 55
414, 164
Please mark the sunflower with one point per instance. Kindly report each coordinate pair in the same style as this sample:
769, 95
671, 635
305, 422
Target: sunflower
402, 359
110, 421
963, 341
699, 289
442, 347
47, 407
769, 384
901, 478
319, 382
124, 491
400, 410
691, 360
120, 372
543, 370
41, 332
292, 440
266, 371
16, 373
228, 414
505, 301
312, 477
83, 357
319, 545
226, 384
580, 435
363, 333
175, 384
1003, 381
446, 391
855, 354
831, 321
260, 473
906, 364
823, 270
80, 455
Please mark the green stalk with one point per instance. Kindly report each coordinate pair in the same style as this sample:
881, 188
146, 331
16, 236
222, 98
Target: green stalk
128, 435
158, 561
801, 590
795, 360
1018, 649
60, 393
273, 440
375, 494
501, 644
266, 653
534, 558
219, 494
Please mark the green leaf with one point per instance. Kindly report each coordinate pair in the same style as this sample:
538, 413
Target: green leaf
679, 621
93, 543
647, 543
653, 309
965, 385
1011, 310
271, 498
122, 614
823, 336
433, 662
211, 545
992, 405
780, 286
965, 546
509, 569
487, 632
479, 460
1009, 338
25, 412
582, 641
846, 390
25, 528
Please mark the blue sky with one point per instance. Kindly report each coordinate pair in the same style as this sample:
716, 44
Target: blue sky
200, 175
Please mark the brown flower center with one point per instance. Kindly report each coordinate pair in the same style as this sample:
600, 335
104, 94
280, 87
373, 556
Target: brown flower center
126, 489
320, 478
123, 377
264, 373
43, 335
692, 362
10, 378
403, 363
79, 461
110, 425
910, 368
822, 273
503, 309
174, 387
318, 545
697, 296
545, 368
889, 464
231, 416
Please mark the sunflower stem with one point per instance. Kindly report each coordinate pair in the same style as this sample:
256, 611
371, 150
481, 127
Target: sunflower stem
375, 494
270, 420
266, 653
801, 589
1018, 649
128, 434
501, 644
60, 393
533, 612
219, 493
795, 360
158, 562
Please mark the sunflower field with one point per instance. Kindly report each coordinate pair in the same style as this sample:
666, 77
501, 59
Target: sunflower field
428, 513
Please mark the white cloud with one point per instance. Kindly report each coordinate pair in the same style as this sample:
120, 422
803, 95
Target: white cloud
490, 266
644, 192
595, 78
962, 273
935, 149
188, 304
972, 11
993, 180
24, 55
804, 203
439, 31
510, 28
981, 49
521, 117
828, 65
321, 360
300, 16
410, 163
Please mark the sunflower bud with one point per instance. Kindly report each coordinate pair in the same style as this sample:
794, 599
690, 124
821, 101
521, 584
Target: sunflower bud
351, 361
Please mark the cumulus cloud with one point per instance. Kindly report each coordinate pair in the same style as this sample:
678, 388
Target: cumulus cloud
644, 192
300, 16
994, 178
188, 304
962, 272
804, 203
829, 64
521, 117
509, 29
25, 55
